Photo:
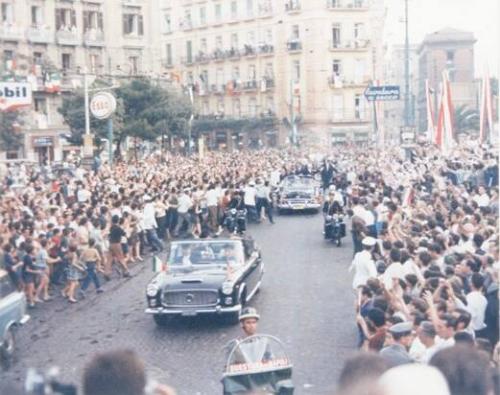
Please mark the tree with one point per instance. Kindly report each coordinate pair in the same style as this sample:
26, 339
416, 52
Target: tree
466, 119
10, 137
144, 110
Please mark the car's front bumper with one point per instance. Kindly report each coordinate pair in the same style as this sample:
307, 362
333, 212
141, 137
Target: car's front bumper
299, 206
193, 311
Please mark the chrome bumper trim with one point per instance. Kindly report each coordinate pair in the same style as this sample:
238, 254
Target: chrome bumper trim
176, 311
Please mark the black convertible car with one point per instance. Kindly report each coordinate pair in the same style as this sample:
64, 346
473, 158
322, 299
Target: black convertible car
207, 276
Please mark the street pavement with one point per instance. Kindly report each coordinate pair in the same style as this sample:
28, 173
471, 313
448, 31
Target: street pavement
306, 300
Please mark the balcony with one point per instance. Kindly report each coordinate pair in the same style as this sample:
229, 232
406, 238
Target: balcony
218, 89
353, 45
67, 37
267, 84
219, 55
167, 63
266, 49
339, 5
294, 45
202, 58
250, 85
249, 51
233, 54
292, 6
186, 24
342, 116
39, 35
94, 38
10, 32
338, 81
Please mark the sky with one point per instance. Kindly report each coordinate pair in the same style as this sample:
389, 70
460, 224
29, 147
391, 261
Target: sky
482, 17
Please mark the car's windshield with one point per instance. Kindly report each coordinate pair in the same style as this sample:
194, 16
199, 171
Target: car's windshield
201, 253
299, 182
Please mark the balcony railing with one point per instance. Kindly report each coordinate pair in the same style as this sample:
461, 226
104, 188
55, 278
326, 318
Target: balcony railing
340, 81
266, 49
249, 50
188, 60
94, 38
218, 89
39, 35
347, 5
67, 37
202, 57
292, 6
250, 85
186, 24
294, 45
352, 45
233, 53
10, 32
219, 55
267, 83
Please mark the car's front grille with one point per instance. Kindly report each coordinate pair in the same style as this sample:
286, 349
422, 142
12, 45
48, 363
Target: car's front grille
193, 298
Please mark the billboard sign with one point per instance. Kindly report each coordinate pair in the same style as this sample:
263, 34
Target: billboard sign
14, 95
382, 93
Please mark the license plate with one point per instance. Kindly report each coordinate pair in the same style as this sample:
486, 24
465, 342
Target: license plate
188, 313
298, 207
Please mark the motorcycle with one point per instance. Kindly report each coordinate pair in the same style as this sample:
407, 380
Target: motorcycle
258, 363
235, 221
334, 228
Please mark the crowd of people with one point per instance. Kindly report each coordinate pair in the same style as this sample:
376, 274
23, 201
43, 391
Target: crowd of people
76, 227
425, 271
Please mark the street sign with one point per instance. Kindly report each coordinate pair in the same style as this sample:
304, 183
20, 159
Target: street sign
382, 93
14, 95
102, 105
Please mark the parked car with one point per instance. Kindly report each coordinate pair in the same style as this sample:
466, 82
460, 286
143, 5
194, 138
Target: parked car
206, 276
299, 193
12, 315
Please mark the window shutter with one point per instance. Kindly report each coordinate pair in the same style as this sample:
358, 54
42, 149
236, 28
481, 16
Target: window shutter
125, 24
100, 22
58, 19
86, 22
73, 18
140, 20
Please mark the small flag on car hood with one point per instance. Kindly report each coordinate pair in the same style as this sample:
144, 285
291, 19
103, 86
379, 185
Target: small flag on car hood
157, 264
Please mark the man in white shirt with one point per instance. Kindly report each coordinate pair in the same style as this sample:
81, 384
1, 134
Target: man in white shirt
481, 198
394, 271
363, 264
249, 201
476, 304
149, 223
185, 203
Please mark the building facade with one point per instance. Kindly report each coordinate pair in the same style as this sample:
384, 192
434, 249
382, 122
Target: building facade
451, 50
291, 59
309, 61
52, 43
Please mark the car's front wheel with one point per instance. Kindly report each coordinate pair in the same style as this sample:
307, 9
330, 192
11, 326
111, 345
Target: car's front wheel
161, 320
7, 349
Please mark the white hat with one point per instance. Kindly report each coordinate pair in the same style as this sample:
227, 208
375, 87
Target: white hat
413, 379
369, 241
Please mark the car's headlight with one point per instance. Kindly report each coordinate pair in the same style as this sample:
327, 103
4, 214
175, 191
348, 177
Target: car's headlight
152, 290
227, 288
228, 300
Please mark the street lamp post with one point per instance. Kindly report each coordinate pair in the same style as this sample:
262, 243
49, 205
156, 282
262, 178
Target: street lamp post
407, 69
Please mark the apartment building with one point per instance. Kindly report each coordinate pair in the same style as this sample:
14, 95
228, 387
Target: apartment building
248, 58
52, 43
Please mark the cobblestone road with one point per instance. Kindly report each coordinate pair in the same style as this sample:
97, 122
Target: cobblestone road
306, 301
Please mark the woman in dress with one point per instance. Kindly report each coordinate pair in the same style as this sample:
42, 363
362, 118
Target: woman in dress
75, 274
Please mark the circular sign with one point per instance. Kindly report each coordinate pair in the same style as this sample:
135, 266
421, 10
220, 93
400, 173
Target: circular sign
102, 105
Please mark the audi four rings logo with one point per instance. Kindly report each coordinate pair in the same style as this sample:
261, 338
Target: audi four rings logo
189, 298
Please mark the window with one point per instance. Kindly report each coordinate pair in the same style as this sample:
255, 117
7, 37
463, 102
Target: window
359, 31
188, 20
36, 16
220, 105
359, 70
37, 58
219, 76
250, 8
168, 51
295, 32
189, 52
337, 107
252, 74
40, 105
134, 64
133, 24
336, 35
235, 73
251, 38
95, 63
337, 67
234, 10
450, 56
203, 16
7, 13
218, 42
218, 13
204, 78
203, 45
65, 19
66, 61
234, 40
296, 70
270, 104
167, 23
92, 20
236, 108
359, 107
252, 107
205, 109
269, 70
268, 36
